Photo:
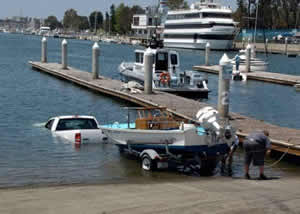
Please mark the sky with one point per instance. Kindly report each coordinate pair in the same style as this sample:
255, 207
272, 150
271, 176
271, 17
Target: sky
44, 8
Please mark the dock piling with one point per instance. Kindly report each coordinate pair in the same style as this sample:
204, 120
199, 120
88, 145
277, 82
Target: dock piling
243, 43
248, 58
286, 46
253, 51
207, 53
44, 50
148, 72
225, 76
266, 46
95, 61
64, 54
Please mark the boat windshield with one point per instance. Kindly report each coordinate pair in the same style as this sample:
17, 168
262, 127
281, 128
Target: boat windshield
139, 57
161, 63
152, 118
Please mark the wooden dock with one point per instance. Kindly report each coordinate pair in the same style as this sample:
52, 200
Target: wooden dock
277, 78
282, 138
272, 48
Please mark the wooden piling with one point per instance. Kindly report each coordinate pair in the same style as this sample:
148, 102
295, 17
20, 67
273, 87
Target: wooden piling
64, 54
224, 85
148, 72
248, 59
95, 60
207, 53
44, 50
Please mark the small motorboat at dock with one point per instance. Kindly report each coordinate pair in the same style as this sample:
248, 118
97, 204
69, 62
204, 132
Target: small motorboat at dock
167, 75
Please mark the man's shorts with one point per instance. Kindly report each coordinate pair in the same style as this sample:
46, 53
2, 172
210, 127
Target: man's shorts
255, 153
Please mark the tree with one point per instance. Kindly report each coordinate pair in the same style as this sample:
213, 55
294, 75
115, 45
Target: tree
96, 15
70, 20
137, 10
83, 23
107, 22
123, 19
52, 22
112, 18
177, 4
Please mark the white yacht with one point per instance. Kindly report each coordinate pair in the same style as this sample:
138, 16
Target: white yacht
44, 31
205, 21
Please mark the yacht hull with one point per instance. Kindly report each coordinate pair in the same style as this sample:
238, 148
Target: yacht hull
199, 45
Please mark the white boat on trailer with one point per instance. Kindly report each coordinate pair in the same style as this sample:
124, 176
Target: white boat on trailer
156, 136
167, 75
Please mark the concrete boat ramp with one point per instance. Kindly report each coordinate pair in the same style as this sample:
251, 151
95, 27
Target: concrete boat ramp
213, 195
179, 106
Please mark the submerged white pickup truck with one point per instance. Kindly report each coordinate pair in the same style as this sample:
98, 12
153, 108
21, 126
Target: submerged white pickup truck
76, 129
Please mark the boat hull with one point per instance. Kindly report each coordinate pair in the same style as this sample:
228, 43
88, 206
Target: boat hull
179, 141
128, 74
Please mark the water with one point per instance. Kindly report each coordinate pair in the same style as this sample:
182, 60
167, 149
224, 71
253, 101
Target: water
30, 155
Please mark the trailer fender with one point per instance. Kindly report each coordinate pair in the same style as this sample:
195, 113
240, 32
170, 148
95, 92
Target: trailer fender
152, 154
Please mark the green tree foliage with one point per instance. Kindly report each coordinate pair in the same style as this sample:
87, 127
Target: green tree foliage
83, 23
177, 4
123, 19
137, 10
70, 19
272, 14
112, 18
52, 22
107, 22
96, 15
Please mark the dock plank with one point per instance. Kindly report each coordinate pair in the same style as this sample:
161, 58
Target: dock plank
277, 78
182, 107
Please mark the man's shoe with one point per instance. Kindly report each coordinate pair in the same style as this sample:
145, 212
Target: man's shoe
247, 176
263, 177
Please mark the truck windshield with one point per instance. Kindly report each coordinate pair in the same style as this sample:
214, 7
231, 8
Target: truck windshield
76, 123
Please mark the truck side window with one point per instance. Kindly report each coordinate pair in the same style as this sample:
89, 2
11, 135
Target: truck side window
49, 124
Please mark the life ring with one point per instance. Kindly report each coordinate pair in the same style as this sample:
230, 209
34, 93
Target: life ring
164, 77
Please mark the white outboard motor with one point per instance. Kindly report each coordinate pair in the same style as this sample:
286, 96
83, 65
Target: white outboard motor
208, 117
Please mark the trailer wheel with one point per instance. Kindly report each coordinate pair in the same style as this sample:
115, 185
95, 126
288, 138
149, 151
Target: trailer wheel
147, 163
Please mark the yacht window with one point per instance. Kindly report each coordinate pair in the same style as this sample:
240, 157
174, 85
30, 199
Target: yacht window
174, 59
136, 21
217, 15
192, 15
183, 16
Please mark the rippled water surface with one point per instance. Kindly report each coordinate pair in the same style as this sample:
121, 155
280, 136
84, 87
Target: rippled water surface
30, 155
